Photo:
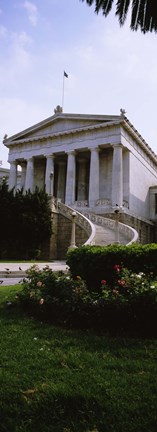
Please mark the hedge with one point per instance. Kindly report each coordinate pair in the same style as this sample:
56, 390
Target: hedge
94, 263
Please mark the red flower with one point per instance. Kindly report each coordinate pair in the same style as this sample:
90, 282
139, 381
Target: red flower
117, 267
103, 282
121, 282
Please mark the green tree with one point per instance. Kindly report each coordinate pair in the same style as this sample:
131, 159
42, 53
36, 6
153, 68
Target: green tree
25, 223
35, 220
143, 12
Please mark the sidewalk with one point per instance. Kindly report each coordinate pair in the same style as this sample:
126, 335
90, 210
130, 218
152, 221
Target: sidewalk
13, 273
9, 269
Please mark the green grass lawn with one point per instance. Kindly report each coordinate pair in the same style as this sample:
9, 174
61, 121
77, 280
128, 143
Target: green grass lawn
59, 380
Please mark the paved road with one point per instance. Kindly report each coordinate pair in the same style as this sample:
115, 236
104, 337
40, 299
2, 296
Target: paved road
7, 269
9, 281
54, 265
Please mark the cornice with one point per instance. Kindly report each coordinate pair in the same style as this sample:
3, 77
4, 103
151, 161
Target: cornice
62, 116
135, 134
10, 141
118, 121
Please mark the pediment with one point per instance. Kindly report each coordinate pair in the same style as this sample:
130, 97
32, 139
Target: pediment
60, 123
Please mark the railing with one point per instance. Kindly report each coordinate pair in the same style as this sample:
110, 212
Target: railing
101, 202
80, 219
81, 203
86, 221
129, 232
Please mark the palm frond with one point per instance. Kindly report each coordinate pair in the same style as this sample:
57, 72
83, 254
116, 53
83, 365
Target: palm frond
122, 10
106, 6
143, 12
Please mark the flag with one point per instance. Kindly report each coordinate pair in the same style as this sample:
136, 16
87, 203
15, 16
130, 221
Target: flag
65, 74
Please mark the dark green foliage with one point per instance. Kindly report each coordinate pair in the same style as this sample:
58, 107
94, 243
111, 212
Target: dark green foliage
128, 302
56, 297
143, 13
94, 263
25, 223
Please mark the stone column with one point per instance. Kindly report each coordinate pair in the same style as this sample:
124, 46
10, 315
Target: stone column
49, 175
23, 174
13, 175
29, 183
117, 176
73, 234
82, 186
94, 177
71, 179
61, 180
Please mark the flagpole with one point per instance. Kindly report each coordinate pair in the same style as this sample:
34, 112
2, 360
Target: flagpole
63, 91
65, 75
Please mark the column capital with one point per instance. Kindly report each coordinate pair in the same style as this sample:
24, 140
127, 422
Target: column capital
97, 149
71, 152
50, 156
116, 145
29, 159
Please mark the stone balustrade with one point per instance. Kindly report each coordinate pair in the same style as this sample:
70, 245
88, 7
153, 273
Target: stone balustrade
80, 219
129, 232
103, 202
87, 222
83, 203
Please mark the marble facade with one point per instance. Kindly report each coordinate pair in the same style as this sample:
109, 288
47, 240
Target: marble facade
94, 161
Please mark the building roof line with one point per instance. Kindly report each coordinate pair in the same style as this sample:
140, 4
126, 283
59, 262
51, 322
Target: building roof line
61, 133
119, 120
62, 116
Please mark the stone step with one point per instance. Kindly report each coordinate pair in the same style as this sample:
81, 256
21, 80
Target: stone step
105, 236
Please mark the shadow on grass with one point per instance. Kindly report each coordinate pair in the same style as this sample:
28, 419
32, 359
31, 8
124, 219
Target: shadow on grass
58, 413
65, 413
107, 384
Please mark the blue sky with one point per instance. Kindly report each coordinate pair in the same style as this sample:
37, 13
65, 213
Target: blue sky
109, 67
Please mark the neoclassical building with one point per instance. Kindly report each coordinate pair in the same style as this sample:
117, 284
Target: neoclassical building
95, 162
4, 174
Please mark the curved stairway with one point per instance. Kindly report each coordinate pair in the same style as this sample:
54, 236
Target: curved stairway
108, 231
106, 236
101, 231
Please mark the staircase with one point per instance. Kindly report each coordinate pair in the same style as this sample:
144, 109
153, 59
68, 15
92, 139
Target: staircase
106, 236
107, 231
101, 231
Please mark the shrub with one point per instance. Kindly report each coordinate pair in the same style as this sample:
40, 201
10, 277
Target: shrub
55, 296
93, 262
128, 302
